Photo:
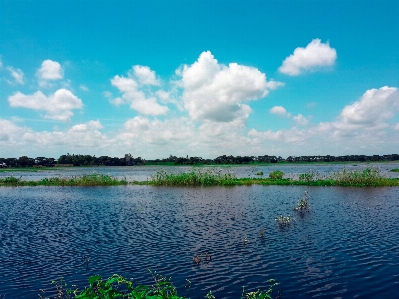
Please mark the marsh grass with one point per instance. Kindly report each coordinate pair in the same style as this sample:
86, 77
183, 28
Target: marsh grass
394, 170
219, 177
284, 221
195, 177
303, 205
85, 180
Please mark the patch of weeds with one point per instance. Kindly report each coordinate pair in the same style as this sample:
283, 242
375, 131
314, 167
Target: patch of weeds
303, 204
284, 221
259, 173
262, 233
394, 170
276, 175
261, 294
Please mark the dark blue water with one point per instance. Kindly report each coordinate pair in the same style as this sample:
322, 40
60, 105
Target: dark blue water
346, 247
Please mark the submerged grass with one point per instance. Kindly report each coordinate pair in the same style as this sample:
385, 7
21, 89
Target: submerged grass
219, 177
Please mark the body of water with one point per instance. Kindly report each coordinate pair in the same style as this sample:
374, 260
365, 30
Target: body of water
346, 247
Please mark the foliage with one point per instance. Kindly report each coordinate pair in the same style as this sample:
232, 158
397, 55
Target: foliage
284, 221
259, 173
85, 180
395, 170
117, 286
303, 204
367, 177
261, 294
276, 175
195, 177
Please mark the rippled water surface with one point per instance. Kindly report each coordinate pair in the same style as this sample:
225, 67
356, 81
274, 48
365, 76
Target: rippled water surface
346, 247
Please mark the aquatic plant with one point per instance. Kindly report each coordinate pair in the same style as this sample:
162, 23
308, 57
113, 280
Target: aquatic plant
394, 170
117, 286
259, 173
202, 258
195, 177
368, 177
276, 175
284, 221
84, 180
262, 294
262, 232
303, 204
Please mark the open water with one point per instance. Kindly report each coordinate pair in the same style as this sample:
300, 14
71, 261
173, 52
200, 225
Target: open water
347, 246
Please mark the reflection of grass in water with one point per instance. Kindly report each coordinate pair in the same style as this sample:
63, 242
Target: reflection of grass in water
117, 286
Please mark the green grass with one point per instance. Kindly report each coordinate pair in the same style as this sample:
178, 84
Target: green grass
395, 170
219, 177
85, 180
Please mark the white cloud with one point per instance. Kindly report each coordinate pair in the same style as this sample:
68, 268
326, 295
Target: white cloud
213, 91
131, 94
84, 87
280, 110
58, 106
301, 120
17, 74
374, 108
315, 55
396, 127
50, 70
144, 75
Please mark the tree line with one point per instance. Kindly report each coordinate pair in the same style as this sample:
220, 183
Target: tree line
129, 160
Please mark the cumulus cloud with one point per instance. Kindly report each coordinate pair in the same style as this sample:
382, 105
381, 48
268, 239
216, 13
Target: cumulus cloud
280, 110
144, 75
58, 106
17, 140
216, 92
17, 74
315, 55
301, 120
373, 109
50, 70
136, 98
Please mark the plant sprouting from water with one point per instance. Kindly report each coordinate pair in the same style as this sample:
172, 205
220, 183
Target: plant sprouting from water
284, 221
276, 175
303, 204
262, 233
261, 294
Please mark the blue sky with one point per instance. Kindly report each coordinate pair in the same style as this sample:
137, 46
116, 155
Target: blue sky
199, 78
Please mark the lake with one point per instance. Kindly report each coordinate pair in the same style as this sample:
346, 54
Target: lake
346, 247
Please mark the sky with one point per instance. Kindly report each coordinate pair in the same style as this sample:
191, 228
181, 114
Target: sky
199, 78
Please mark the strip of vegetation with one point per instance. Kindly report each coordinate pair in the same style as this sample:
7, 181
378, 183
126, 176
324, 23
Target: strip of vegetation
395, 170
85, 180
117, 286
213, 177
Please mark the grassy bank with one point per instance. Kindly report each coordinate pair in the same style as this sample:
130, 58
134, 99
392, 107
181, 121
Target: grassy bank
26, 169
213, 177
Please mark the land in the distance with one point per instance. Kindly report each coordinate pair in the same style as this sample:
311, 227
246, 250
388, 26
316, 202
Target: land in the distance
128, 160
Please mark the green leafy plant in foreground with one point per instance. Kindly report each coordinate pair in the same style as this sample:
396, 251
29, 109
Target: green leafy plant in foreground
118, 287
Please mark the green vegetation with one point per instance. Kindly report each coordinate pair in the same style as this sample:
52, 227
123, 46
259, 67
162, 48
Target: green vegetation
303, 204
196, 177
85, 180
276, 175
259, 173
284, 221
118, 287
395, 170
218, 177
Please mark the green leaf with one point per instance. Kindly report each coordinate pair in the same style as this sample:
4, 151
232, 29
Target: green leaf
93, 279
